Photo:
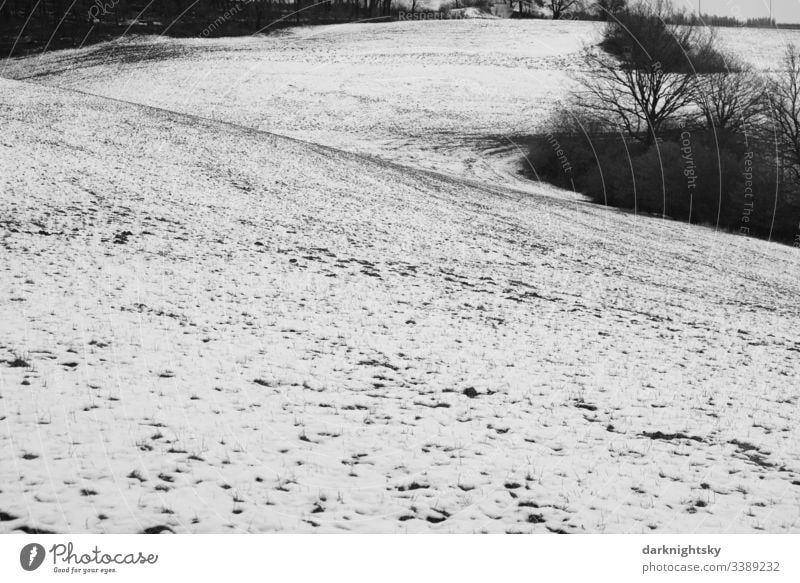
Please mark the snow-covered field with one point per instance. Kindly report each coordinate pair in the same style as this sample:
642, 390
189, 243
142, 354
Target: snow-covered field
440, 95
210, 328
445, 95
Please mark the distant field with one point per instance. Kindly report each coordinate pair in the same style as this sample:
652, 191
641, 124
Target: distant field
426, 93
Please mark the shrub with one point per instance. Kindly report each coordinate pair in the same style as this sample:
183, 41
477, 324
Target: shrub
646, 34
693, 174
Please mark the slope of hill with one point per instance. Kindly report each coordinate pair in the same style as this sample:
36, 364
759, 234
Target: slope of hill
445, 95
428, 94
206, 327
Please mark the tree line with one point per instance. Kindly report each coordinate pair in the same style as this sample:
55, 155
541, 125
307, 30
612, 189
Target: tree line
606, 9
30, 25
36, 24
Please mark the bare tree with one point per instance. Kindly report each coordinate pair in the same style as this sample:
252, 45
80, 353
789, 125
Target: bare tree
640, 99
649, 73
784, 98
732, 99
558, 8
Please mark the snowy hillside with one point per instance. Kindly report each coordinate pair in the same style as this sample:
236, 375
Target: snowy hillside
444, 95
428, 94
206, 327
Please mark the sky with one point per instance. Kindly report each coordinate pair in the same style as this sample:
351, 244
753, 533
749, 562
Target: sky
782, 10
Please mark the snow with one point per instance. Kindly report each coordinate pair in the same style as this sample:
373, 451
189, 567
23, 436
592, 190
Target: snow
443, 95
448, 95
224, 329
432, 94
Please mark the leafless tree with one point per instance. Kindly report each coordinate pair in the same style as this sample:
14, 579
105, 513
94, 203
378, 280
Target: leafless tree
637, 99
559, 8
649, 73
784, 100
732, 99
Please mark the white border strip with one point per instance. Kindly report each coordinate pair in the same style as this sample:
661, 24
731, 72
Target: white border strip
406, 558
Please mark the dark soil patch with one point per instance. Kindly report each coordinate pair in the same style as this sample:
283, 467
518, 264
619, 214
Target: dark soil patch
159, 529
33, 530
18, 363
581, 404
412, 486
671, 436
